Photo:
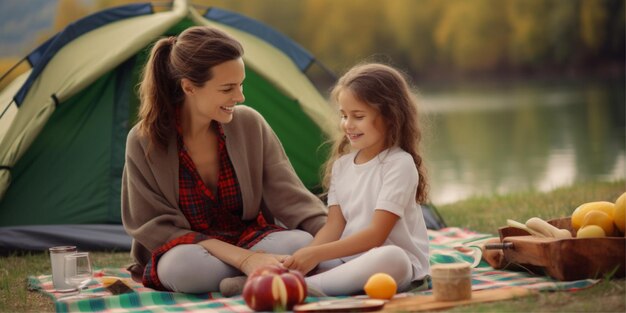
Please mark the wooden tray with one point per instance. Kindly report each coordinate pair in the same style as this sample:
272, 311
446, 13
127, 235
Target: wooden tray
565, 259
428, 302
341, 305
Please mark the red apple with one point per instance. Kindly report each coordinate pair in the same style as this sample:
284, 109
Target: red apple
274, 288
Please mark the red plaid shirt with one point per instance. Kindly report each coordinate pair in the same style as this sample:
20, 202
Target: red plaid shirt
210, 216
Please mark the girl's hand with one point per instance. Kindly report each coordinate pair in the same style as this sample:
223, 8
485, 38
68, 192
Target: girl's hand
259, 259
303, 260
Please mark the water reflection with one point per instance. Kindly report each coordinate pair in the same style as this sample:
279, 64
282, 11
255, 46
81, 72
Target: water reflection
498, 139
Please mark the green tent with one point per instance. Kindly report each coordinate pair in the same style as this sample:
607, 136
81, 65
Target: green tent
64, 122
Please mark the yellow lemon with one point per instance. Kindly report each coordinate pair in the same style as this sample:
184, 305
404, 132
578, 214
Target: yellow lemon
590, 231
380, 286
620, 212
601, 219
583, 209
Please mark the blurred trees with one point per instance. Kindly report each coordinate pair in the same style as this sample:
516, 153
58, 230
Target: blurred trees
439, 38
68, 11
452, 37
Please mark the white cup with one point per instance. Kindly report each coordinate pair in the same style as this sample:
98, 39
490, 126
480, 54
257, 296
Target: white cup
57, 255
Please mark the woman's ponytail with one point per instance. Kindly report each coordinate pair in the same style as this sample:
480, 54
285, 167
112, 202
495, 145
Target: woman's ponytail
159, 92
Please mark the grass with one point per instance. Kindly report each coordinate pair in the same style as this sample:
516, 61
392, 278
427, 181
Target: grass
14, 270
606, 296
487, 214
483, 214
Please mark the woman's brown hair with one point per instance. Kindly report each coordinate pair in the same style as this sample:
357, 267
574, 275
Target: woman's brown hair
190, 55
385, 89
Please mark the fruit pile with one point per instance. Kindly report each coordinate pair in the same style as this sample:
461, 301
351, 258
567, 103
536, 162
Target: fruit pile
600, 218
589, 220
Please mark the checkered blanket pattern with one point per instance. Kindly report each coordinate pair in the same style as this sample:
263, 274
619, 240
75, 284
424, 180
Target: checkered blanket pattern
447, 245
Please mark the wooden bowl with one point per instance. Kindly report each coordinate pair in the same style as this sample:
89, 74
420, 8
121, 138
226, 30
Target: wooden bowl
565, 259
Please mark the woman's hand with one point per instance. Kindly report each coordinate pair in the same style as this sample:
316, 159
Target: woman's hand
303, 260
256, 259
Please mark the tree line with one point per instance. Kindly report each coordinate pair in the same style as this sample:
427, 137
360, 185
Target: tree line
438, 38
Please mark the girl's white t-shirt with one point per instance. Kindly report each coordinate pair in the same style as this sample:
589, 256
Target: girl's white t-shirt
386, 182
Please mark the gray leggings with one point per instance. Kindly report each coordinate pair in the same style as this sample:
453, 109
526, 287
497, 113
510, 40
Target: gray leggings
192, 269
335, 278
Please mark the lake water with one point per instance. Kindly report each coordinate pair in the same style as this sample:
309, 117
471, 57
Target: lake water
491, 139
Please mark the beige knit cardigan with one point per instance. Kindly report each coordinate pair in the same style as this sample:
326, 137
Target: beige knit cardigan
268, 182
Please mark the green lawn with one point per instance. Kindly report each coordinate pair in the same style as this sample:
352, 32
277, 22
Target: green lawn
484, 214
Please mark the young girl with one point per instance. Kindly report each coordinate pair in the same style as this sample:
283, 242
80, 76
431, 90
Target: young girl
375, 181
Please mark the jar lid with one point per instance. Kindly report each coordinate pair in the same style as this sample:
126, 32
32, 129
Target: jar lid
450, 270
61, 249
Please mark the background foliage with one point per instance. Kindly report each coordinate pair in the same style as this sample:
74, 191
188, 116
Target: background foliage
436, 38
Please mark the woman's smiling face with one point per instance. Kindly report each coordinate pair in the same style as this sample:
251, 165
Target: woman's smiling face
217, 98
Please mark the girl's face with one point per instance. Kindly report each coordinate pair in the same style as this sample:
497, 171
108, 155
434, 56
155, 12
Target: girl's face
363, 125
218, 97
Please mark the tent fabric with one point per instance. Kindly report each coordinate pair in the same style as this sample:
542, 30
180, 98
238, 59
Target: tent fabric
8, 112
40, 57
69, 166
65, 121
432, 217
73, 67
301, 57
84, 237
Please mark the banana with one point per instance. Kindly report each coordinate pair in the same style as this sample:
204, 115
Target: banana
516, 224
547, 229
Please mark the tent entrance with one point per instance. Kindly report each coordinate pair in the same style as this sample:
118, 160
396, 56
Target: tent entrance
75, 164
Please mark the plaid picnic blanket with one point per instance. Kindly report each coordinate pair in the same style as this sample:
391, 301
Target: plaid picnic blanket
447, 245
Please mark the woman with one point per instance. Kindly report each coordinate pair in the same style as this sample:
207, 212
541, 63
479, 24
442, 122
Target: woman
200, 171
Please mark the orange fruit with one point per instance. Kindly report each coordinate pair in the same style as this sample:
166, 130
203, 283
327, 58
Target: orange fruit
619, 218
380, 286
590, 231
601, 219
579, 214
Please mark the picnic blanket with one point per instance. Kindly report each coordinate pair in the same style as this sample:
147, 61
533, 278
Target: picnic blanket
447, 245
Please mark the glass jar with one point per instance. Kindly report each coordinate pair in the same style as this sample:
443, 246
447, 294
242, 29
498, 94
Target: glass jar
57, 255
